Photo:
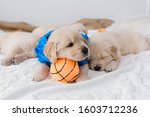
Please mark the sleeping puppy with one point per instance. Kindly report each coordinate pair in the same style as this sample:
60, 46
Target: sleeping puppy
108, 47
17, 47
65, 42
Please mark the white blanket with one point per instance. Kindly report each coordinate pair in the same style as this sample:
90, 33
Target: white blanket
130, 81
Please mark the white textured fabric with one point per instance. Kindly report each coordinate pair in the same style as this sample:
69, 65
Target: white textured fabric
130, 81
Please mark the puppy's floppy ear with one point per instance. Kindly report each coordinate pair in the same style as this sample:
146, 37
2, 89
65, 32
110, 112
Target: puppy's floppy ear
114, 49
114, 52
50, 51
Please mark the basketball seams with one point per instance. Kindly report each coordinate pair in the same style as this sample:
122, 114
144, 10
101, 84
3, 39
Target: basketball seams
63, 78
59, 74
60, 69
71, 70
73, 78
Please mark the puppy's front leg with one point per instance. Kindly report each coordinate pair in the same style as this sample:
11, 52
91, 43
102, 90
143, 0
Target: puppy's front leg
42, 73
7, 60
18, 58
83, 75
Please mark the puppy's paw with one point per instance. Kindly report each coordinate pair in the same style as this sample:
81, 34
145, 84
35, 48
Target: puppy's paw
6, 62
17, 59
111, 66
41, 73
38, 78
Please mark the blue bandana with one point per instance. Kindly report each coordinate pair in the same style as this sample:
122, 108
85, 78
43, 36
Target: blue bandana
39, 50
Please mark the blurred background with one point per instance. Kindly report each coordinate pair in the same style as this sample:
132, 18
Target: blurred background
41, 12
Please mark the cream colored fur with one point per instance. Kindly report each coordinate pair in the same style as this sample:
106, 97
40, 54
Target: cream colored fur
108, 47
40, 31
58, 46
17, 47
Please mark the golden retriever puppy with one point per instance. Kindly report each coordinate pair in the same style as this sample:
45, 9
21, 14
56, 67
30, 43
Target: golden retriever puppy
65, 42
108, 47
17, 47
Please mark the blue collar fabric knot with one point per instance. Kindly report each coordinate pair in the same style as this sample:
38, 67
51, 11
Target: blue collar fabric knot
39, 50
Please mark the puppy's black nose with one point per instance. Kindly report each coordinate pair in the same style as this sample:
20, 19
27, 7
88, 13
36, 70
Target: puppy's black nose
85, 50
97, 68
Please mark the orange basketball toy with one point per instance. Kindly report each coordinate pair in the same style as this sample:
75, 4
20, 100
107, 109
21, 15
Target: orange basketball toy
64, 70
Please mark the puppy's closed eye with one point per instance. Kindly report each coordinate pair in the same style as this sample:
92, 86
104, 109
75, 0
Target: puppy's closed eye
100, 57
70, 44
103, 57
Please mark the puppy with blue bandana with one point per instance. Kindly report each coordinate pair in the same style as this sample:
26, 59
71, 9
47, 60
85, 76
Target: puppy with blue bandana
66, 42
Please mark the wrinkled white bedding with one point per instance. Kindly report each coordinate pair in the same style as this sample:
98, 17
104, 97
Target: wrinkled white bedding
130, 81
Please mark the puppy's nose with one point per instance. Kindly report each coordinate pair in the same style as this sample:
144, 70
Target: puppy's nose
97, 68
85, 50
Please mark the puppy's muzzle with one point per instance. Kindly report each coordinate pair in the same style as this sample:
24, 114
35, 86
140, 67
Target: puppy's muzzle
85, 50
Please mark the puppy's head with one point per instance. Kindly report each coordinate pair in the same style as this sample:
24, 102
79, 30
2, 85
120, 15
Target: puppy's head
66, 43
103, 51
